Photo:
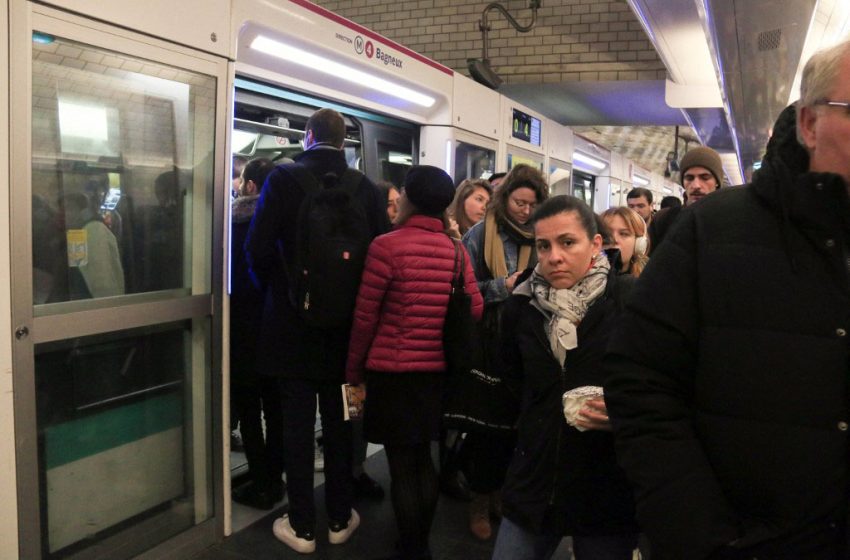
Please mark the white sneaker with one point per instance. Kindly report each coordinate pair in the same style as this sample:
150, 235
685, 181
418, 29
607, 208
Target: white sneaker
342, 535
284, 532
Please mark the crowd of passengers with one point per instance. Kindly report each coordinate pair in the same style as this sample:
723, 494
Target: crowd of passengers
679, 374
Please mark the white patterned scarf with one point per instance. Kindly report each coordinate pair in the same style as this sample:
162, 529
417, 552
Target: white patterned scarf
565, 308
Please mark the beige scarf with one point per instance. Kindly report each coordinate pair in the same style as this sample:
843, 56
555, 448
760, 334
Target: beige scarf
494, 249
565, 308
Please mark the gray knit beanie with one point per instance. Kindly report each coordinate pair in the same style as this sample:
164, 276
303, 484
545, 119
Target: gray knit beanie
702, 157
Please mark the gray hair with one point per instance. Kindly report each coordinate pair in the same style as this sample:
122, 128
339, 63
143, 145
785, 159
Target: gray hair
819, 76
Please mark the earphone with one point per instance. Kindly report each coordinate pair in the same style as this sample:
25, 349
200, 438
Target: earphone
641, 245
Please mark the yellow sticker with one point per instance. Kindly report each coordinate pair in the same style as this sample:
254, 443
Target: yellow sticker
78, 247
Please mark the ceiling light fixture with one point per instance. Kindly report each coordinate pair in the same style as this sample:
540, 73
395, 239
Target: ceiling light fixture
347, 73
589, 161
640, 180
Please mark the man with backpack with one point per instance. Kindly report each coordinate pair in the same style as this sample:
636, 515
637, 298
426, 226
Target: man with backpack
306, 247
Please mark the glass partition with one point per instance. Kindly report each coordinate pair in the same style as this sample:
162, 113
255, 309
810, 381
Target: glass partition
121, 161
473, 162
115, 426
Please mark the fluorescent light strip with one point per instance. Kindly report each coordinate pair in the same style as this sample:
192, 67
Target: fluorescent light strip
640, 180
449, 158
316, 62
587, 160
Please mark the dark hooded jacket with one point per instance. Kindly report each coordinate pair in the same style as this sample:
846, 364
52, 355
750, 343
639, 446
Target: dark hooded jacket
728, 383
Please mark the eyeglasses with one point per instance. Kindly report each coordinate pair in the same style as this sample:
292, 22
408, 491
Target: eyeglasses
522, 204
843, 104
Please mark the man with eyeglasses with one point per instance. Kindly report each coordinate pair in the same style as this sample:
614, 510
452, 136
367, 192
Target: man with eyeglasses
729, 386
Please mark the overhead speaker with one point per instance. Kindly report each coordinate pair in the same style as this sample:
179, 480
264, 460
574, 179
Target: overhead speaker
482, 73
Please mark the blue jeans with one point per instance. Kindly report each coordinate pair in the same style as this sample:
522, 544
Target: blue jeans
515, 543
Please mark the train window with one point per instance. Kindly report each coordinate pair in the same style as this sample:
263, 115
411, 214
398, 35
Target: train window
583, 186
121, 154
273, 128
270, 123
473, 162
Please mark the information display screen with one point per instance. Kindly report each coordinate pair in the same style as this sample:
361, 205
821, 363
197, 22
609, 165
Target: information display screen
526, 128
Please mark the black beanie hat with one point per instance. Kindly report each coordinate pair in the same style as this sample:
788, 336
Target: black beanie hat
429, 188
702, 157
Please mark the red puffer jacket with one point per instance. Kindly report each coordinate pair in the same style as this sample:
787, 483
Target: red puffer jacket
401, 306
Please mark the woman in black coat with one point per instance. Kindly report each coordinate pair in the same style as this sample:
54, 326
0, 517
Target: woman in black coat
563, 479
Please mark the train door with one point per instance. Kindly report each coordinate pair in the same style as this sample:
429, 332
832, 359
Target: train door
116, 235
584, 186
270, 122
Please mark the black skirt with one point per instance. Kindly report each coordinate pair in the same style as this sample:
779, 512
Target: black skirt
403, 407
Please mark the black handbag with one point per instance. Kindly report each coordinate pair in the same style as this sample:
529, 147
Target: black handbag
459, 325
475, 398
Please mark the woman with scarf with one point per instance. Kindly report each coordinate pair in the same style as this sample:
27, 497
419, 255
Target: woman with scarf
501, 247
563, 478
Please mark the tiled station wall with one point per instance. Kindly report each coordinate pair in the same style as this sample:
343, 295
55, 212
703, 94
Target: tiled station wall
573, 40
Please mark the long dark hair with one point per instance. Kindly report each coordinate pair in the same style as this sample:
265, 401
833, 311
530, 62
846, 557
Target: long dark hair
464, 191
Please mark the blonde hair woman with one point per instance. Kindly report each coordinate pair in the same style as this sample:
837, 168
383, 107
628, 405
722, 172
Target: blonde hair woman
628, 232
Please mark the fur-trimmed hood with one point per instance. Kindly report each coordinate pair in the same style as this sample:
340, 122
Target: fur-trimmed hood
242, 209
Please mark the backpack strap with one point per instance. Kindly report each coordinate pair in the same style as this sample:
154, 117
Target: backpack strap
302, 177
349, 181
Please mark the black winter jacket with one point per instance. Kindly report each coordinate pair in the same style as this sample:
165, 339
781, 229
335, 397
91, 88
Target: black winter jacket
729, 372
289, 348
562, 481
246, 300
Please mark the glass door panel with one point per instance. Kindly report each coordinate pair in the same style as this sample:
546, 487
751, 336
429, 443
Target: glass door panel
118, 220
473, 162
390, 149
583, 187
115, 427
114, 173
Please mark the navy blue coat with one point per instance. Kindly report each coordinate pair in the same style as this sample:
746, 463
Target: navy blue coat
289, 348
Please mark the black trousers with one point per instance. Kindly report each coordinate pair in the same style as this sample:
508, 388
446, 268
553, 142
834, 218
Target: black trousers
298, 397
253, 401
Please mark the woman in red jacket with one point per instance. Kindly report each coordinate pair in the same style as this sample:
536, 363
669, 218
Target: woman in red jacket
397, 346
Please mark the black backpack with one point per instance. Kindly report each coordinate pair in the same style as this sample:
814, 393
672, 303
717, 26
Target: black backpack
332, 238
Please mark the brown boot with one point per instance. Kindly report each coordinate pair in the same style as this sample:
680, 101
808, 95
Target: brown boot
479, 516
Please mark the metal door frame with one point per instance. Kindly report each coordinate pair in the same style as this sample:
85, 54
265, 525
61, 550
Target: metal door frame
24, 18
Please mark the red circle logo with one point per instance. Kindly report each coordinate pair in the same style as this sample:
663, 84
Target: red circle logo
370, 49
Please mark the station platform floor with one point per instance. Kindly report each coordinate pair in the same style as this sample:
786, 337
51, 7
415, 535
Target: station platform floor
375, 539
